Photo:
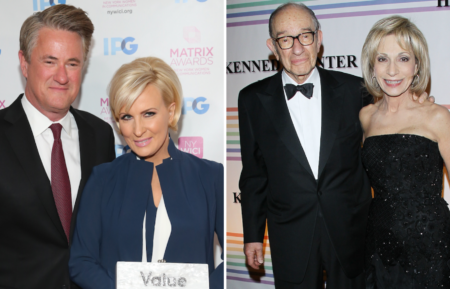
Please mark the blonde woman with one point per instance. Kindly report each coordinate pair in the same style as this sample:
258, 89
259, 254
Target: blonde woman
170, 199
406, 144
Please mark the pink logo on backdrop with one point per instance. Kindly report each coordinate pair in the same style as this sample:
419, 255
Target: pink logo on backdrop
191, 144
192, 60
105, 112
191, 34
2, 104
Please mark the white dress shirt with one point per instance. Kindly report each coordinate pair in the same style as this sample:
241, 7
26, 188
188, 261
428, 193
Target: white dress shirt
306, 115
40, 126
161, 235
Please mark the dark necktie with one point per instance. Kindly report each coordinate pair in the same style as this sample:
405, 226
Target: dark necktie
306, 89
60, 180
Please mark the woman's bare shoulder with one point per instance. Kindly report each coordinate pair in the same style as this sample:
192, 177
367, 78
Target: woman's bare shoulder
365, 115
437, 118
367, 111
438, 113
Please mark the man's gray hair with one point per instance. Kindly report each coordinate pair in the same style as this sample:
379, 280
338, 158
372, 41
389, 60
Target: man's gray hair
59, 17
296, 5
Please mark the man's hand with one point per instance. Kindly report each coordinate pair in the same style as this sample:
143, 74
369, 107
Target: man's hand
254, 254
424, 97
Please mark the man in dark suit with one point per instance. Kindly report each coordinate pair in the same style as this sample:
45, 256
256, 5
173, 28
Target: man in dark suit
302, 170
47, 151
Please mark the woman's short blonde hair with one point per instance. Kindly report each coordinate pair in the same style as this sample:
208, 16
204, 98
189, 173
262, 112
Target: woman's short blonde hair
409, 38
132, 78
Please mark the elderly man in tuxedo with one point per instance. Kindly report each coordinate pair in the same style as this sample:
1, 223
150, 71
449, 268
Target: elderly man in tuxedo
302, 171
47, 151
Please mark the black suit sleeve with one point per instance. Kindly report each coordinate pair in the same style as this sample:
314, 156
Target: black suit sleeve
111, 145
253, 182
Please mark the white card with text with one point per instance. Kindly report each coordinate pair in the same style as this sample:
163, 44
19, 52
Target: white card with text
139, 275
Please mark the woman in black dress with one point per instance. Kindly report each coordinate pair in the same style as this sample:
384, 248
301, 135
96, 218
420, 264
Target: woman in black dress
406, 144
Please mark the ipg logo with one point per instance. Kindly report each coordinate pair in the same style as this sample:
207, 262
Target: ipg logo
191, 34
119, 44
2, 104
195, 104
44, 4
185, 1
191, 144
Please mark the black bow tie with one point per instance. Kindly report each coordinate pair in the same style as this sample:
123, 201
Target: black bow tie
306, 89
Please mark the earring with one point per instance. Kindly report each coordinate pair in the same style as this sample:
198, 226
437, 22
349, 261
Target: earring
375, 82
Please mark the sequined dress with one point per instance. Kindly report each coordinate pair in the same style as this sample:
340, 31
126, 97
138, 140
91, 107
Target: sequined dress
408, 233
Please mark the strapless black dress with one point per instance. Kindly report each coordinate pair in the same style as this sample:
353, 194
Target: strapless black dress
408, 232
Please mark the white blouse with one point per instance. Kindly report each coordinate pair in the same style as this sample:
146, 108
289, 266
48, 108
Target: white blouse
163, 228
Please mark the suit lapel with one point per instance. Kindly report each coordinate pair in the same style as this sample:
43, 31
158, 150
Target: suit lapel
21, 138
275, 105
87, 141
331, 103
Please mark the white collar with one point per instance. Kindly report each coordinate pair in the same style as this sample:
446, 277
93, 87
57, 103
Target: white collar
39, 122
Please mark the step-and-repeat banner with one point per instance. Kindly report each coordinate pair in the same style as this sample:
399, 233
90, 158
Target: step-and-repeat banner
345, 25
187, 34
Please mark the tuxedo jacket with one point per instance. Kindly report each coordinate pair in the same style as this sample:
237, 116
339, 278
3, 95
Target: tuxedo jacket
278, 185
34, 251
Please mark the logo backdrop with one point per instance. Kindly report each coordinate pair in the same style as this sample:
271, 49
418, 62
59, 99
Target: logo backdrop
345, 25
187, 34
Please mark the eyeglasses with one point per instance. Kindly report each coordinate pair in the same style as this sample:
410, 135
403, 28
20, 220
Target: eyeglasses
305, 39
